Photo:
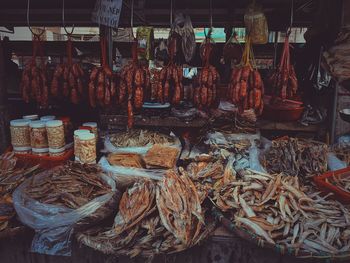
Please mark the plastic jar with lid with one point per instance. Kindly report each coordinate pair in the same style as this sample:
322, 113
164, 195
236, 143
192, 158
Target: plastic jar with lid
20, 135
93, 126
87, 148
76, 141
47, 118
57, 152
55, 134
32, 117
38, 135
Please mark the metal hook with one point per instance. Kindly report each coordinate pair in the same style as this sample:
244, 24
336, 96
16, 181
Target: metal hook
30, 28
211, 13
64, 22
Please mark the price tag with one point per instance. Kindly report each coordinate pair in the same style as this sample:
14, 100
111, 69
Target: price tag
107, 12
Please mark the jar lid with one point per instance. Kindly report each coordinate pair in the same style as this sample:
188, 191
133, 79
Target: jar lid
37, 124
86, 128
19, 122
47, 118
31, 117
77, 132
21, 149
40, 150
90, 124
86, 136
64, 119
51, 150
54, 123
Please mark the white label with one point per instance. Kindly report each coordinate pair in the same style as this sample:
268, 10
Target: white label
107, 12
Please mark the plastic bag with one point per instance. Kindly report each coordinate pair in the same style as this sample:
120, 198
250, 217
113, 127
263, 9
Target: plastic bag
125, 176
188, 40
54, 225
256, 24
110, 148
334, 163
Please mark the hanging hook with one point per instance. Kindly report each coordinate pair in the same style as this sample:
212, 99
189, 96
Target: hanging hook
171, 13
211, 13
30, 28
64, 22
132, 18
291, 18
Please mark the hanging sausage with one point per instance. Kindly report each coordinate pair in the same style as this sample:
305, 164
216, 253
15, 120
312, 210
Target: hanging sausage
102, 85
34, 83
246, 88
284, 81
68, 79
170, 88
206, 89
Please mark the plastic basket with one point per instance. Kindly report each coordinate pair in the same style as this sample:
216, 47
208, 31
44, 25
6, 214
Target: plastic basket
45, 162
326, 187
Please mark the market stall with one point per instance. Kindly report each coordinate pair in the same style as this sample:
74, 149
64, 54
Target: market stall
192, 132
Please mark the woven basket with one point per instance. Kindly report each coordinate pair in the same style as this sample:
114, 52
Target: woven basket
260, 242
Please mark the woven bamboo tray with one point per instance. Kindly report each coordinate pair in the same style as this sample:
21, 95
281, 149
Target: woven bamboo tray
260, 242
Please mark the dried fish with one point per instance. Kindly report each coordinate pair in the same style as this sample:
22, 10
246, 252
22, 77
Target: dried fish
71, 185
12, 173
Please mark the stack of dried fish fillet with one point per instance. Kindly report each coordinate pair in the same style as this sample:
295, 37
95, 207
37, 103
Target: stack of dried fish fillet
139, 138
11, 175
153, 218
72, 185
279, 211
126, 159
296, 157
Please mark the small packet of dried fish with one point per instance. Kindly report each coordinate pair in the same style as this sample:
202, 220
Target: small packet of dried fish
55, 212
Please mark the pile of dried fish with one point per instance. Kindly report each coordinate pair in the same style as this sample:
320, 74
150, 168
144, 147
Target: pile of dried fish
153, 218
11, 175
72, 185
296, 157
140, 138
341, 181
282, 212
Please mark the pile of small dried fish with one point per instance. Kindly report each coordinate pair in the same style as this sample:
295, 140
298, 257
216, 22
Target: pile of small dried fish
341, 181
153, 218
282, 212
296, 157
342, 151
72, 185
11, 175
140, 138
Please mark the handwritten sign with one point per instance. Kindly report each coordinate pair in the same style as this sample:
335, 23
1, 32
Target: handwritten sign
107, 12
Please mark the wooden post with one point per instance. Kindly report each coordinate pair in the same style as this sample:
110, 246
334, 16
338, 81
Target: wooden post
4, 121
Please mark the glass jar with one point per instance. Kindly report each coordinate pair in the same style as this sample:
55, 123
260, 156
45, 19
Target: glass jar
38, 135
77, 142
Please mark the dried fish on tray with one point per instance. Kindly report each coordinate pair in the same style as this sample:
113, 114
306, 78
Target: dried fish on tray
279, 212
296, 157
161, 156
153, 218
12, 174
57, 202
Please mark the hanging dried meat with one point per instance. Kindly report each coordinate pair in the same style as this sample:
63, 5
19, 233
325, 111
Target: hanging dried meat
68, 79
284, 81
34, 83
102, 85
246, 88
170, 88
205, 92
134, 85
